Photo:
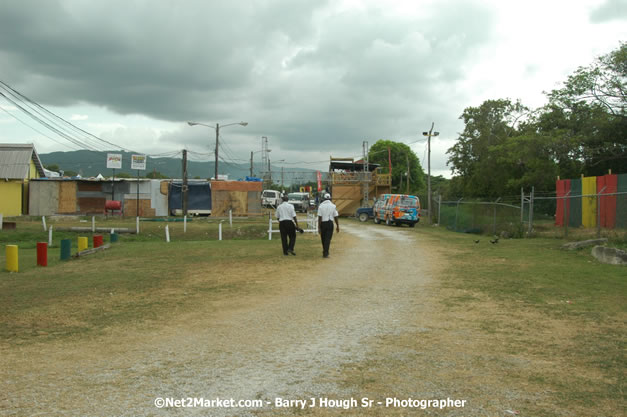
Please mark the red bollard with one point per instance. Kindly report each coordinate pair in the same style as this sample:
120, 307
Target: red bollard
97, 241
42, 254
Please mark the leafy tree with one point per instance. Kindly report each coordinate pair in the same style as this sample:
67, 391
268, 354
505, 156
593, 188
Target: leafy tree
474, 157
53, 167
400, 155
587, 118
123, 175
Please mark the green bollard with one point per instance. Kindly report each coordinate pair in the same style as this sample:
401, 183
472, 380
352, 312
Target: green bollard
114, 237
66, 249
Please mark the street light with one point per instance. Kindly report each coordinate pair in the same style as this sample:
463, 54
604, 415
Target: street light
217, 129
251, 159
429, 134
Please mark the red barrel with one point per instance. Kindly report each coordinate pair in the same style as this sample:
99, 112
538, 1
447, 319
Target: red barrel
42, 254
97, 241
113, 205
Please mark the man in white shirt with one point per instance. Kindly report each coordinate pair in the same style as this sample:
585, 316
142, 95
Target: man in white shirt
288, 223
327, 213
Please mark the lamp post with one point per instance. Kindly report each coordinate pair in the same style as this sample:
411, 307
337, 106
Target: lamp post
429, 134
217, 129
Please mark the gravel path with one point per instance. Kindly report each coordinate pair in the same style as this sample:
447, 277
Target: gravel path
289, 345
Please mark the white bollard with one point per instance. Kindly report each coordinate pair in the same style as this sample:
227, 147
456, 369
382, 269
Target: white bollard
0, 221
50, 237
185, 224
167, 234
137, 225
230, 218
220, 231
43, 220
270, 229
93, 224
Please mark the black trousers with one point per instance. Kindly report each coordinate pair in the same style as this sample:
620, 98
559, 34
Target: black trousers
288, 235
326, 233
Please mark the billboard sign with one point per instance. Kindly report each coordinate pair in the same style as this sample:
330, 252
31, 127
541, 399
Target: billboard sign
138, 162
114, 160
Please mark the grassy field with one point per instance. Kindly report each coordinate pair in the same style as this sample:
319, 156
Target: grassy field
140, 279
561, 312
532, 316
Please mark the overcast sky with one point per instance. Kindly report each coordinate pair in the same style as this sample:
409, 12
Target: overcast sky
317, 78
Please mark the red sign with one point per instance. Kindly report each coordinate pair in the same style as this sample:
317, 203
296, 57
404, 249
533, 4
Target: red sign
319, 175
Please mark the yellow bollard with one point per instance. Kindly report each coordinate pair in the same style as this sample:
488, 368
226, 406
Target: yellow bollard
82, 243
12, 263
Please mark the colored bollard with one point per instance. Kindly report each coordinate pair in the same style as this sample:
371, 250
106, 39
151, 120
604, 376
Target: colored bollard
12, 258
82, 243
97, 241
42, 254
66, 249
114, 237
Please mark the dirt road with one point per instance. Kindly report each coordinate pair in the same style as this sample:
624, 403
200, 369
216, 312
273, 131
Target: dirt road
302, 340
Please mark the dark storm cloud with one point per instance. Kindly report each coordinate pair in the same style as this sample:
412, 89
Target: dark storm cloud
296, 71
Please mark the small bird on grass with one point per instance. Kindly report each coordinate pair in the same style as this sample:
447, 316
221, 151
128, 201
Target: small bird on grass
477, 241
496, 240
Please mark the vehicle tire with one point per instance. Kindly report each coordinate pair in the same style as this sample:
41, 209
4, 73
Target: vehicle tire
412, 224
398, 224
388, 221
377, 220
363, 217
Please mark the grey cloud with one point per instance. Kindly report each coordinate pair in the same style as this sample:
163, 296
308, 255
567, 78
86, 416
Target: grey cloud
307, 79
609, 10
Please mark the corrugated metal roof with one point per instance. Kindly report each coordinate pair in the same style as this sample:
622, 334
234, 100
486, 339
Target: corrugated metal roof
15, 161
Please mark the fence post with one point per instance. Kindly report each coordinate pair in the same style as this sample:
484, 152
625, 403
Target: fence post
185, 224
599, 211
0, 221
137, 225
439, 207
230, 218
50, 236
167, 233
270, 228
566, 219
456, 211
220, 231
93, 224
530, 211
522, 206
43, 220
494, 229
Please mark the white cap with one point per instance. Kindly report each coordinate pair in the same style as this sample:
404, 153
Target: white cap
327, 196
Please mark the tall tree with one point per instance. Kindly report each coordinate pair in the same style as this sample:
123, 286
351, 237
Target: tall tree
400, 156
587, 117
474, 158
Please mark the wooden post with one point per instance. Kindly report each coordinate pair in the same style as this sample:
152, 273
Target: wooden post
93, 224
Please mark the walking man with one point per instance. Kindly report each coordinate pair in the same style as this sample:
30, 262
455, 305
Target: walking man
288, 223
327, 213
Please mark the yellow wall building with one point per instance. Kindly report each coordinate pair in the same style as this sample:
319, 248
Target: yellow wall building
19, 163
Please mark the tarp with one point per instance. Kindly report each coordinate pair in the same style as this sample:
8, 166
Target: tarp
562, 187
607, 204
198, 196
589, 202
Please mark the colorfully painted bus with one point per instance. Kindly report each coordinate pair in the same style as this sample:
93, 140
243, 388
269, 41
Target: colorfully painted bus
397, 209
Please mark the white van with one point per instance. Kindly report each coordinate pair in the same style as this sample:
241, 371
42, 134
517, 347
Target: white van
270, 198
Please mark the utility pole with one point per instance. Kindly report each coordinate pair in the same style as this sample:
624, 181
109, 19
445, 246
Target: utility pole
408, 174
184, 188
217, 139
429, 134
251, 163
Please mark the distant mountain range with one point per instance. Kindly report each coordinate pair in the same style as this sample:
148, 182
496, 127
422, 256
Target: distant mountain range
92, 163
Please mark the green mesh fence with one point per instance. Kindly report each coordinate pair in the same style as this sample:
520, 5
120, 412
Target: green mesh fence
480, 217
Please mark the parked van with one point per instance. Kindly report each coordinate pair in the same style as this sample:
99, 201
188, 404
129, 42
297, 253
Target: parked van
300, 201
397, 209
270, 198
